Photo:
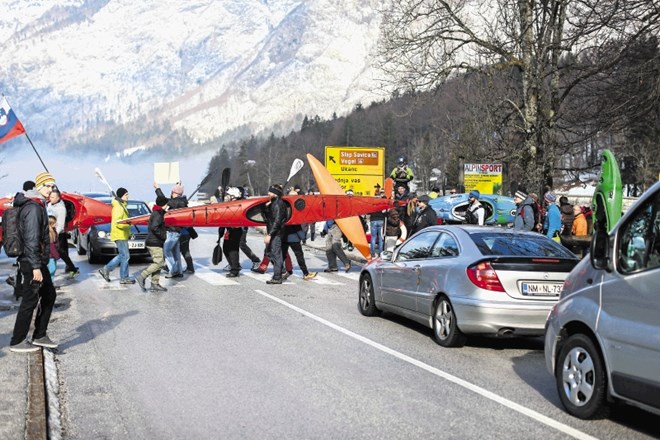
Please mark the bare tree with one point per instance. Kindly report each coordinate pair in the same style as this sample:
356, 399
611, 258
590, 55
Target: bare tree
425, 42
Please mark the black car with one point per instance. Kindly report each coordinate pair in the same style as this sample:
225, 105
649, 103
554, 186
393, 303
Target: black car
96, 244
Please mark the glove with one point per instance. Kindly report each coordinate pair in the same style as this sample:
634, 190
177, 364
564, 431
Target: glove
324, 233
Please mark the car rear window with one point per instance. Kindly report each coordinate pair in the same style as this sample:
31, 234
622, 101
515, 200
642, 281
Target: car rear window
524, 245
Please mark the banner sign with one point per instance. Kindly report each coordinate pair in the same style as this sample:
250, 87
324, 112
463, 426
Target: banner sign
484, 177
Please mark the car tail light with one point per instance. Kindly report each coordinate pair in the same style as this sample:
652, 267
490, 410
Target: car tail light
483, 275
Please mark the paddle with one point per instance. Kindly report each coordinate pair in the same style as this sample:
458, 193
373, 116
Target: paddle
103, 180
224, 181
101, 177
295, 167
202, 183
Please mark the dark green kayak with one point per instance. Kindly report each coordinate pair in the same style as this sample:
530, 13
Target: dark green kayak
608, 198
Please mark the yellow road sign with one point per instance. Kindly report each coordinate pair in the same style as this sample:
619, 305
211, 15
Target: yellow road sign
356, 168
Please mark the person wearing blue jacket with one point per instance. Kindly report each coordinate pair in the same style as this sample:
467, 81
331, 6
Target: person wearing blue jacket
552, 222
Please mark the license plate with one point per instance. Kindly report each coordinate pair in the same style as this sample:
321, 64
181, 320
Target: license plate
541, 289
136, 245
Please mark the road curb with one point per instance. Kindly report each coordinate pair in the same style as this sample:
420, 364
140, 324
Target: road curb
52, 396
35, 423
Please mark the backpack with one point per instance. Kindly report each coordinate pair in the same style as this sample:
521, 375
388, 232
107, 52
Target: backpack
470, 217
12, 241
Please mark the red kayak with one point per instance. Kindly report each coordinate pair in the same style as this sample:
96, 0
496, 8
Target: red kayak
81, 212
249, 212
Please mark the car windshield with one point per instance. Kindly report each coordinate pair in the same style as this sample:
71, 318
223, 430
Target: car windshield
524, 245
137, 208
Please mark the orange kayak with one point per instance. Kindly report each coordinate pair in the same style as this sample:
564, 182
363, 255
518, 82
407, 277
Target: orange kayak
81, 212
249, 212
350, 226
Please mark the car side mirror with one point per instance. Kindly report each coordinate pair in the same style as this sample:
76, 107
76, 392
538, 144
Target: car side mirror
386, 255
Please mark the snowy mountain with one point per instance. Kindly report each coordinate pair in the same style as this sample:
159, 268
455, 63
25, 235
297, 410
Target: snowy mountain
74, 69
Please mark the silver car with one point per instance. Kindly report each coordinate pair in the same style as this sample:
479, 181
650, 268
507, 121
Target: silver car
461, 280
603, 337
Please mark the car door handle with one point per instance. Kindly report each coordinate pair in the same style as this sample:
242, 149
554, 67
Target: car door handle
418, 272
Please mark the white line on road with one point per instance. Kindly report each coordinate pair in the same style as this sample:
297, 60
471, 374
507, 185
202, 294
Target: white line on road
465, 384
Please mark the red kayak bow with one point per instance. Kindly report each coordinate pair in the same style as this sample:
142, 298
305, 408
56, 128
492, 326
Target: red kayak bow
249, 212
81, 212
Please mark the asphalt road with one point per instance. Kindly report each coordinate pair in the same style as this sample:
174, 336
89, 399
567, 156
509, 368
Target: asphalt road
239, 359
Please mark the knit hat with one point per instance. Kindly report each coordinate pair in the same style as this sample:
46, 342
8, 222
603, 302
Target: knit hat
275, 190
121, 191
520, 195
177, 189
43, 179
550, 197
474, 193
424, 198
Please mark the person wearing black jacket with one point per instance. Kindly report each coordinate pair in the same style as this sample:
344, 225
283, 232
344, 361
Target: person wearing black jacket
426, 216
171, 248
155, 240
232, 242
275, 218
36, 284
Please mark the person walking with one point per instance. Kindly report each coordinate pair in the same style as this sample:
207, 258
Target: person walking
119, 233
333, 249
275, 215
293, 236
15, 280
187, 234
37, 289
56, 208
376, 224
426, 215
232, 242
172, 247
552, 220
156, 236
524, 220
475, 213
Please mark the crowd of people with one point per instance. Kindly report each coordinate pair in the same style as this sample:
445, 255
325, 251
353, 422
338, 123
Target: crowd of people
42, 219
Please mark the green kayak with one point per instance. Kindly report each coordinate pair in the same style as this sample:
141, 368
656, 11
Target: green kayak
608, 197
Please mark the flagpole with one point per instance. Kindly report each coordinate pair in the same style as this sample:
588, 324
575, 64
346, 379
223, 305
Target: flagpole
35, 151
26, 135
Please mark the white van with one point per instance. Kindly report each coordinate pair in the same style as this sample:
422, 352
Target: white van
602, 340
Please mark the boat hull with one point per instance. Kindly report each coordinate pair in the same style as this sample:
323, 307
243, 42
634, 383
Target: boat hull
81, 211
608, 197
350, 226
249, 212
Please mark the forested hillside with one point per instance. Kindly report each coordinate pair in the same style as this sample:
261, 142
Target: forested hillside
470, 118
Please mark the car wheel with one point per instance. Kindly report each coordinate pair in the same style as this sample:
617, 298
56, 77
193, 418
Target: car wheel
91, 256
445, 326
580, 377
367, 301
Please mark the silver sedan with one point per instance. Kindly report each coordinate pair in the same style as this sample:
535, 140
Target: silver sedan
461, 280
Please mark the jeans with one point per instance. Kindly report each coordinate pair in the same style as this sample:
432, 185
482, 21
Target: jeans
275, 254
121, 259
376, 228
173, 252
